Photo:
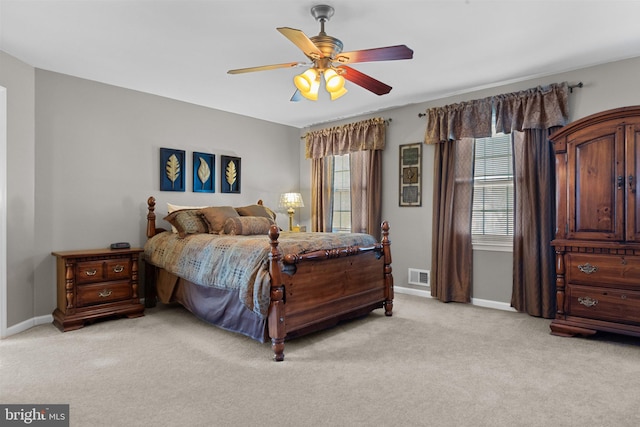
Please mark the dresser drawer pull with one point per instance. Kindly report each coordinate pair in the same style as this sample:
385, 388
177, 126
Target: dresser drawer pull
91, 272
105, 293
118, 268
587, 268
588, 301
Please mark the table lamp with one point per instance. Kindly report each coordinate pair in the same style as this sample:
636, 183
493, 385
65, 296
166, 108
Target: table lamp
291, 201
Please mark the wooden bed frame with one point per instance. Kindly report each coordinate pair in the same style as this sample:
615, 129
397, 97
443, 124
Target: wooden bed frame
314, 290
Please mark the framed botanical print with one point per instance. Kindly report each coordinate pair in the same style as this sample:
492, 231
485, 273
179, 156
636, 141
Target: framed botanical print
230, 174
411, 174
172, 168
204, 168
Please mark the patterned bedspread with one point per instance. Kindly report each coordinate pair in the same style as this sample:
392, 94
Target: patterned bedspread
238, 262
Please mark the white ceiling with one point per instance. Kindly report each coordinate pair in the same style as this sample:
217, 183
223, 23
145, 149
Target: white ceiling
182, 49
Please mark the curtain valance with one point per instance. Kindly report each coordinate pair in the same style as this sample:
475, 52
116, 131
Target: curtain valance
470, 119
541, 107
336, 141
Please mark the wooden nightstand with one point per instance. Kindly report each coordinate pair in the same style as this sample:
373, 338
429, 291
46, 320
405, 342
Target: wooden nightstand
94, 284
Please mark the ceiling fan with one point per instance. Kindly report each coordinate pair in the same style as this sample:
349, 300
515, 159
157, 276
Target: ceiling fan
328, 60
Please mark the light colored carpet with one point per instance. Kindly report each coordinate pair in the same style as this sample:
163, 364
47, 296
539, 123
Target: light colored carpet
431, 364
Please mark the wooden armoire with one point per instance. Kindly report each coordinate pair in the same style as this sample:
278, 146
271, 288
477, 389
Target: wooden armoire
597, 239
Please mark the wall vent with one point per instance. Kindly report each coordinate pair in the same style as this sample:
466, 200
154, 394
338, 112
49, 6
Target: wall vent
419, 277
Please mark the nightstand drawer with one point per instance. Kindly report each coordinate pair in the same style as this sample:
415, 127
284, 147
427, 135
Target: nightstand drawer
98, 271
618, 270
604, 304
89, 271
117, 269
100, 293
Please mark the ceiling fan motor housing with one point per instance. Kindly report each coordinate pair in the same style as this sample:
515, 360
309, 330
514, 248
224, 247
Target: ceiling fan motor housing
329, 46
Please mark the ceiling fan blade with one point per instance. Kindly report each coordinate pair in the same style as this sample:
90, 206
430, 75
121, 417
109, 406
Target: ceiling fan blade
389, 53
297, 96
303, 42
264, 67
367, 82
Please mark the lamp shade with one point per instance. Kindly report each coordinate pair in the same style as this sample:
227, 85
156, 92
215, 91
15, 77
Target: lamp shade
291, 200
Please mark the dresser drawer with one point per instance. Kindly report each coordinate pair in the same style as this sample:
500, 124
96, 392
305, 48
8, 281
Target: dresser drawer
604, 304
619, 270
100, 293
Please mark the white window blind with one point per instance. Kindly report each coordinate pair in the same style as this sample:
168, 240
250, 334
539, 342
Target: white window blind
493, 199
341, 194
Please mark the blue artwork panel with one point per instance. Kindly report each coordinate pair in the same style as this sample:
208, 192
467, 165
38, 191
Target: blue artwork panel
204, 173
172, 169
230, 174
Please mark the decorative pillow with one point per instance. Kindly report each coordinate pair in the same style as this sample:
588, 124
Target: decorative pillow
172, 208
215, 217
256, 210
187, 221
248, 225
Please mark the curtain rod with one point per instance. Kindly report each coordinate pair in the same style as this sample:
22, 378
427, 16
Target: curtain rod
579, 85
571, 87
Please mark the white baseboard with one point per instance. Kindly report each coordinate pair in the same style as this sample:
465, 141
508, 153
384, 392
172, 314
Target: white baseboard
412, 291
30, 323
492, 304
475, 301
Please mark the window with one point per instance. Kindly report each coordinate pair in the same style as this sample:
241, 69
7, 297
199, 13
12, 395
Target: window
493, 199
341, 194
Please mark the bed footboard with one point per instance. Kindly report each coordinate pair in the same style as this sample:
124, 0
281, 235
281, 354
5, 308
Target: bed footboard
318, 289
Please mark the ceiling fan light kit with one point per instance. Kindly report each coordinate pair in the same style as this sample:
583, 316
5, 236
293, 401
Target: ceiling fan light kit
328, 61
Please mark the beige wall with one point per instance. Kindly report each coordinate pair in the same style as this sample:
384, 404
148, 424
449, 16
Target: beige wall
19, 80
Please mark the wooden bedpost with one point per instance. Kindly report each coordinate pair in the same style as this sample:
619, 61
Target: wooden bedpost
388, 276
277, 325
151, 217
150, 294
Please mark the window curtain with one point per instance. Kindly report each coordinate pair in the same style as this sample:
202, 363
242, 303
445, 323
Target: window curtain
364, 141
532, 115
451, 129
366, 192
321, 194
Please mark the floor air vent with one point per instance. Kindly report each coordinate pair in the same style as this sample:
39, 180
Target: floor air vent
419, 277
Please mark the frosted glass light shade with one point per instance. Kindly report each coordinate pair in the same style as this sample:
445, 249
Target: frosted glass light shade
308, 83
333, 81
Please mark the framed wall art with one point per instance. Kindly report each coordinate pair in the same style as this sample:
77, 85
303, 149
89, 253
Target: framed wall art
230, 171
204, 168
411, 174
172, 168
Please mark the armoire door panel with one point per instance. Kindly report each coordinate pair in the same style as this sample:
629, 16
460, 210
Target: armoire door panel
596, 202
632, 173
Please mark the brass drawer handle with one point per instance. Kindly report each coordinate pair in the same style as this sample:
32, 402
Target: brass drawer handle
118, 268
91, 272
588, 301
105, 293
587, 268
